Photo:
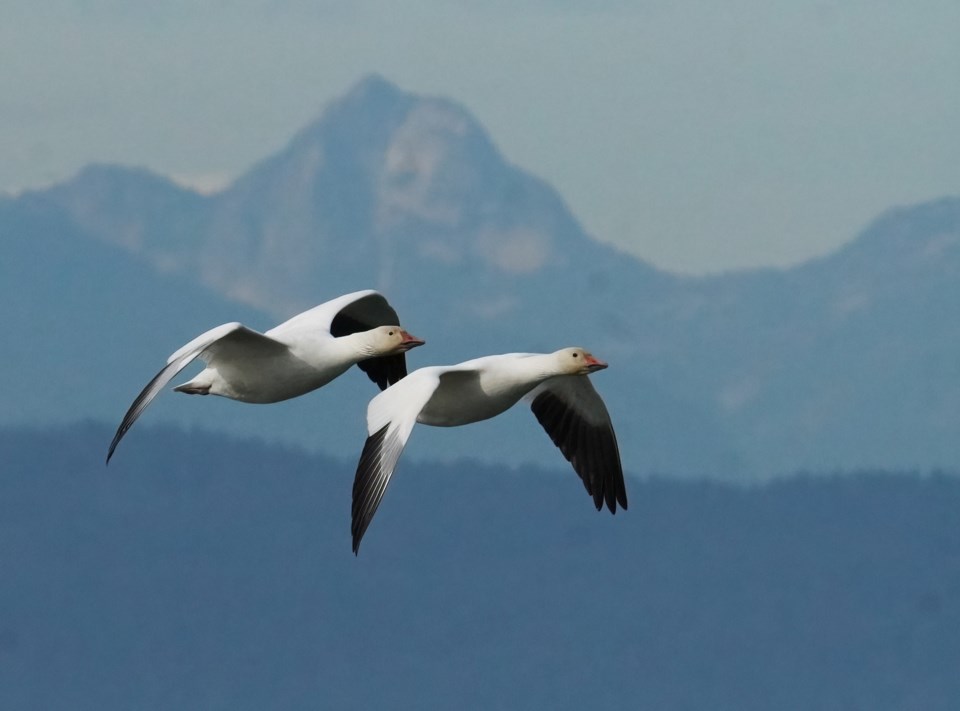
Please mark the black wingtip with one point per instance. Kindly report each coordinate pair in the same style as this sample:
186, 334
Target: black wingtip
365, 501
113, 446
385, 370
122, 430
592, 451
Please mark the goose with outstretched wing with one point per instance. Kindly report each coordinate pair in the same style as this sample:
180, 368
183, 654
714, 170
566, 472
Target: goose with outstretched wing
300, 355
560, 394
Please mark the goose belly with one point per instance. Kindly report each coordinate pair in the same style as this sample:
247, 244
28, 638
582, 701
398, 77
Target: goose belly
272, 380
451, 407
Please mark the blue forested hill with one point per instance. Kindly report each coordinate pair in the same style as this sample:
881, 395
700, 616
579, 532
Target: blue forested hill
68, 304
206, 572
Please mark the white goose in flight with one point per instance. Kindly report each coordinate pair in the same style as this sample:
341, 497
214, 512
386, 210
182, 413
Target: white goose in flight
560, 394
300, 355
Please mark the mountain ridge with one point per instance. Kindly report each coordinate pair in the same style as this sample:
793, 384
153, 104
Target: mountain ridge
747, 373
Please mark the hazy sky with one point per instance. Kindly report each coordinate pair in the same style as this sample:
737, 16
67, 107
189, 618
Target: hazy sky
699, 135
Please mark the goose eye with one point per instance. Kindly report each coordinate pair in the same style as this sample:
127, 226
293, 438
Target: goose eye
576, 355
390, 334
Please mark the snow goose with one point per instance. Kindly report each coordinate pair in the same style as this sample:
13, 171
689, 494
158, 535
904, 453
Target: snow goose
300, 355
561, 396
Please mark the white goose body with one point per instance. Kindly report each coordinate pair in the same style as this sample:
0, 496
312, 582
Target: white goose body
479, 389
264, 374
300, 355
561, 396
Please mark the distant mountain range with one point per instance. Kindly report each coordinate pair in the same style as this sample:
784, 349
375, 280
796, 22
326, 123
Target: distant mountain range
852, 360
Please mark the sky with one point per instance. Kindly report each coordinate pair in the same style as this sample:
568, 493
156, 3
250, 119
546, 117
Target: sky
699, 136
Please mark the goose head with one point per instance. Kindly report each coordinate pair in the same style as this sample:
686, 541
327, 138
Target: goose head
577, 361
391, 340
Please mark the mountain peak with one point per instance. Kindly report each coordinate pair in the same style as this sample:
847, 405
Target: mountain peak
371, 88
384, 183
923, 237
367, 102
384, 186
374, 116
129, 207
111, 177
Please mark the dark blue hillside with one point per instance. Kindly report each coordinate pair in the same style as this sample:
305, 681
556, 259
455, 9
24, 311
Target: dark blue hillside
85, 324
216, 573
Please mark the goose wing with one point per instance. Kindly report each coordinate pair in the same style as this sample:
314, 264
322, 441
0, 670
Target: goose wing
352, 313
574, 415
229, 340
391, 416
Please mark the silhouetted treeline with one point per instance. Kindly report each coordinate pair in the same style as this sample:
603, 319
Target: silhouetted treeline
210, 573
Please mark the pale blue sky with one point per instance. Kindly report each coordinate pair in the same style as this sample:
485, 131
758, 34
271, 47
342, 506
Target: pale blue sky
700, 136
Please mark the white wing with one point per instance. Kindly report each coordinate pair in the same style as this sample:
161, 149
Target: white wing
351, 313
226, 341
391, 416
573, 414
358, 311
